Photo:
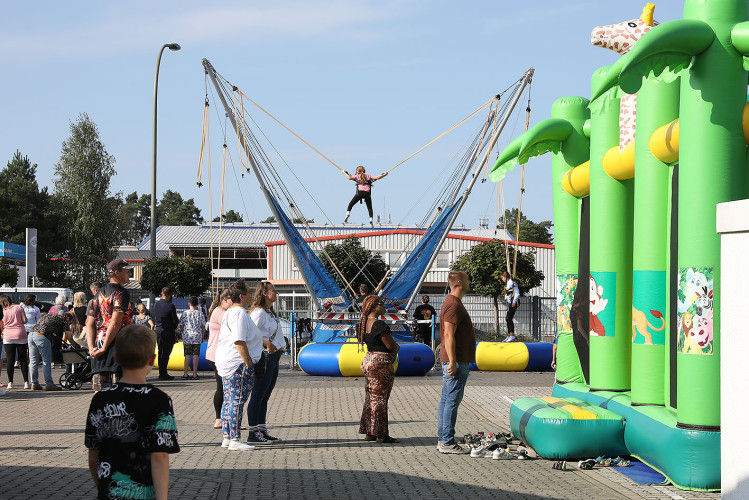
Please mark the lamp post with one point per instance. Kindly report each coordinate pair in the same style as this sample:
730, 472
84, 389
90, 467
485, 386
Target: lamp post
170, 46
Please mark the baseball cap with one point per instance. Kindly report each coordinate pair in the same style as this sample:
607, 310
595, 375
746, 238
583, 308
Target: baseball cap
118, 264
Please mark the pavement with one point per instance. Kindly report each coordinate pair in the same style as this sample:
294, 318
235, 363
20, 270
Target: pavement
322, 456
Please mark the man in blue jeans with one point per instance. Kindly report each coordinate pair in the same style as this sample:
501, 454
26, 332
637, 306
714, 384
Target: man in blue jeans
458, 349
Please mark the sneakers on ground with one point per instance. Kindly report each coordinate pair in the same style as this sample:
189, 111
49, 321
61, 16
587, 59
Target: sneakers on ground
36, 387
502, 454
439, 443
10, 385
267, 436
586, 464
561, 465
52, 388
237, 445
26, 385
225, 443
510, 338
258, 437
481, 452
620, 462
522, 452
452, 449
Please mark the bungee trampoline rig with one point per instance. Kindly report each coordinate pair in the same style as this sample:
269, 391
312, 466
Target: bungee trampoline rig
334, 308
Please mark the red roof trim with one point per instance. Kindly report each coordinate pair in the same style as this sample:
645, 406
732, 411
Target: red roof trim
408, 231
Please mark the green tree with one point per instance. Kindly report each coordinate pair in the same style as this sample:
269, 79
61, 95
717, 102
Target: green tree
8, 273
229, 217
83, 207
531, 232
184, 275
172, 210
296, 220
357, 264
485, 264
23, 202
135, 218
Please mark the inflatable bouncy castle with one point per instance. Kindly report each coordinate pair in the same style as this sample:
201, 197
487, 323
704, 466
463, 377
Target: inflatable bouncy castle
637, 171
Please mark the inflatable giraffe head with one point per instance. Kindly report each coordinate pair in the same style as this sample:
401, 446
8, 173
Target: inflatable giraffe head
622, 36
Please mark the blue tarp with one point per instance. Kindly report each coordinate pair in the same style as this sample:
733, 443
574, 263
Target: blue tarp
324, 287
403, 283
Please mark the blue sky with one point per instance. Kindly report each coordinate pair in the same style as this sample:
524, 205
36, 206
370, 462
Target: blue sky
365, 82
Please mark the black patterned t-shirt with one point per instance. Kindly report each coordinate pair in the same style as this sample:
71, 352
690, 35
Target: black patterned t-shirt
126, 423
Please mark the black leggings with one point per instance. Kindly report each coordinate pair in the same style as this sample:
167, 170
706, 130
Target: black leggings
18, 352
218, 396
361, 195
510, 314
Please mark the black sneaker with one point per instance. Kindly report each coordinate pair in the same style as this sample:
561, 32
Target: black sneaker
267, 436
257, 437
166, 377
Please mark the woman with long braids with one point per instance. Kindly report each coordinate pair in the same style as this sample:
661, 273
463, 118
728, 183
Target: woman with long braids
377, 368
363, 190
264, 317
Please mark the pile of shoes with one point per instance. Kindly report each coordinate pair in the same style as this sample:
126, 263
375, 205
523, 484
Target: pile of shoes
602, 462
495, 446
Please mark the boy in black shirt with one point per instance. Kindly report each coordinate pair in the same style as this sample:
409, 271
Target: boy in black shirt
130, 427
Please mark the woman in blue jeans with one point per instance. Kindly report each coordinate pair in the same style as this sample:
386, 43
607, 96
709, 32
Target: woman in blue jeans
51, 325
264, 317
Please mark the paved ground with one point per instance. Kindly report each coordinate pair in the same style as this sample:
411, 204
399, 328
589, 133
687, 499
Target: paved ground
42, 453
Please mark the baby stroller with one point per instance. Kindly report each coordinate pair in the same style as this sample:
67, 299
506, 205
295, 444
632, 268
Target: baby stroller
81, 373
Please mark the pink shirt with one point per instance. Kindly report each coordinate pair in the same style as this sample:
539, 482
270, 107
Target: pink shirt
214, 327
364, 187
13, 328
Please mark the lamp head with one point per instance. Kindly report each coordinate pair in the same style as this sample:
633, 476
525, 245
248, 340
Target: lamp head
174, 46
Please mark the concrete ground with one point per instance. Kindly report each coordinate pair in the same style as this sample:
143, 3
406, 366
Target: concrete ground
322, 456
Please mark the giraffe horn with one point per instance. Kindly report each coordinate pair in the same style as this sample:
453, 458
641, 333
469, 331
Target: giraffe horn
647, 14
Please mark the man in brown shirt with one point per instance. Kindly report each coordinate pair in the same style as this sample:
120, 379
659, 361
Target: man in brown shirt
458, 349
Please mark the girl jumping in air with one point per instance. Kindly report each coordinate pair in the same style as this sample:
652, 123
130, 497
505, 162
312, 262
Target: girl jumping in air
363, 190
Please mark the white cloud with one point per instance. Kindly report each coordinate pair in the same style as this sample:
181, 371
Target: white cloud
132, 27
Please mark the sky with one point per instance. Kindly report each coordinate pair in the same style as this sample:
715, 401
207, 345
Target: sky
365, 82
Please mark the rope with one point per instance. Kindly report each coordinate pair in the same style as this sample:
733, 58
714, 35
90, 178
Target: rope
443, 134
291, 131
202, 142
522, 188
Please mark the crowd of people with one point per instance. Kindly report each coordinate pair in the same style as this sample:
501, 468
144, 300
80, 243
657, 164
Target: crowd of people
245, 344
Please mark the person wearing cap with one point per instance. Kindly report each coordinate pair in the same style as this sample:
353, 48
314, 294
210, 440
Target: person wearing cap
107, 313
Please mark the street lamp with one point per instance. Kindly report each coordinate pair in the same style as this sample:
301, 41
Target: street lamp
170, 46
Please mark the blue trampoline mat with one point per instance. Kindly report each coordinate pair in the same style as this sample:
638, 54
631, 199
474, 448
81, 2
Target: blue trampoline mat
640, 473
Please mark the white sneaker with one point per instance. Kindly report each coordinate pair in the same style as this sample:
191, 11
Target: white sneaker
10, 385
237, 445
511, 338
501, 454
481, 452
26, 385
225, 443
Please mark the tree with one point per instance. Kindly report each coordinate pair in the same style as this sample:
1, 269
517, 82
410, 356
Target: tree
135, 215
82, 205
184, 275
296, 220
350, 257
8, 273
171, 210
229, 217
484, 265
531, 232
23, 202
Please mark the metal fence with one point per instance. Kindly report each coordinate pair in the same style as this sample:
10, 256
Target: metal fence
535, 318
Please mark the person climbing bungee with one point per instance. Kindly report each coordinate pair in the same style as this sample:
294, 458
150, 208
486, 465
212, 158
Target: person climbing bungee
363, 190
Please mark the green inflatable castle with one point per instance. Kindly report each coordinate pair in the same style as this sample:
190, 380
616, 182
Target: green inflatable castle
637, 171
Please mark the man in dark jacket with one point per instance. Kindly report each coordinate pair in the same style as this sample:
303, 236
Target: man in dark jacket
165, 317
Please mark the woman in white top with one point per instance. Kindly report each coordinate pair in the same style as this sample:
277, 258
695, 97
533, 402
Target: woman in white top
512, 297
274, 345
32, 312
239, 348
